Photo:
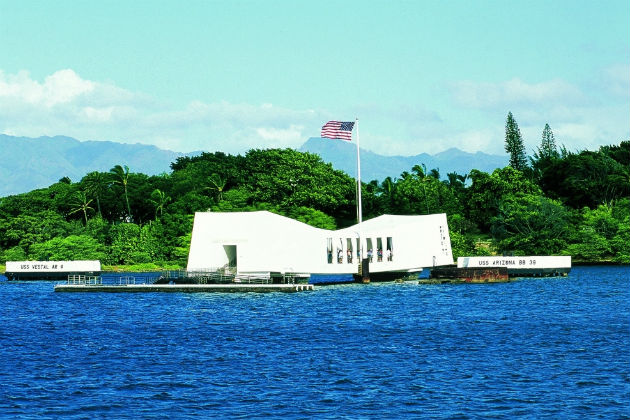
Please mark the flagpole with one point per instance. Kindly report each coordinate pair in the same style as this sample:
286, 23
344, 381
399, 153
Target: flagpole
360, 212
359, 206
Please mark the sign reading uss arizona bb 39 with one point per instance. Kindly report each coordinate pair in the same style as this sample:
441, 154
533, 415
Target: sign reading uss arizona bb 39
530, 262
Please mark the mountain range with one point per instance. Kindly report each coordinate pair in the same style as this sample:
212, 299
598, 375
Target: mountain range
342, 155
30, 163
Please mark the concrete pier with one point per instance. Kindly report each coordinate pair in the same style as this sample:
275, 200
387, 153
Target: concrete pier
184, 288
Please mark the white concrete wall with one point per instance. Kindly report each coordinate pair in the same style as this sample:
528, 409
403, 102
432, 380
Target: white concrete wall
269, 242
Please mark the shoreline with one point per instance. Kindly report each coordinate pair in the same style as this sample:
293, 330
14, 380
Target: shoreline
156, 269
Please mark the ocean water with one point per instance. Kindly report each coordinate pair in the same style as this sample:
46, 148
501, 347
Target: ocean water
554, 348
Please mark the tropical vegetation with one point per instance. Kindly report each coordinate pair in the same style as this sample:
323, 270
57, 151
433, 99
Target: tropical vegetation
556, 202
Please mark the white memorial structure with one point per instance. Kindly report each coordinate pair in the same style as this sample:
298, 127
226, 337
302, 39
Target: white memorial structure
264, 243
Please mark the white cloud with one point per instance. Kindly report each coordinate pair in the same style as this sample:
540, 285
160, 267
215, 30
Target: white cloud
64, 103
287, 136
581, 117
514, 92
617, 81
61, 87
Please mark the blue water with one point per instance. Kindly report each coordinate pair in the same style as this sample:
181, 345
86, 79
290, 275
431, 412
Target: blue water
536, 349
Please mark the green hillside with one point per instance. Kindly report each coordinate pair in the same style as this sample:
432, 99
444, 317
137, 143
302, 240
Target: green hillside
559, 203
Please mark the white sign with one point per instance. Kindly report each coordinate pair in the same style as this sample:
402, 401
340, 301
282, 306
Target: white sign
515, 262
52, 266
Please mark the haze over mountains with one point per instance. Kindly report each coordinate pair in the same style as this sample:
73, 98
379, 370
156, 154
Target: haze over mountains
30, 163
343, 155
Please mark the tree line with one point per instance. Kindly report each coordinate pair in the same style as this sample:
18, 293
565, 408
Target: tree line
556, 202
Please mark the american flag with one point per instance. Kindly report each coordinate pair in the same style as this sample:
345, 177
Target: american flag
338, 130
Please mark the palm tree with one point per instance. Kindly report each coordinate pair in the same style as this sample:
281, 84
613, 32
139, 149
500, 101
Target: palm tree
80, 203
218, 184
121, 177
388, 190
159, 200
420, 171
456, 181
96, 184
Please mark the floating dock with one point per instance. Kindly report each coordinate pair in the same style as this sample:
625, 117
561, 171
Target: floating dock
184, 288
171, 283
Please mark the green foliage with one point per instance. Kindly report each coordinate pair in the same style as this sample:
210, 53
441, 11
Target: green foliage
461, 245
548, 149
620, 243
288, 178
81, 204
159, 199
514, 144
531, 224
120, 176
96, 185
16, 253
312, 217
587, 179
73, 247
568, 203
486, 192
419, 194
28, 229
123, 243
603, 234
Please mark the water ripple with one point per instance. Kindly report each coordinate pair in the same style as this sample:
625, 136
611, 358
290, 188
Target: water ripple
535, 348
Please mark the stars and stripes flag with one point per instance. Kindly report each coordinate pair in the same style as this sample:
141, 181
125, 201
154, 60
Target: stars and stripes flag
338, 130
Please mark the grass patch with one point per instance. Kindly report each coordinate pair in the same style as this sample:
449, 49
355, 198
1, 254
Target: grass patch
136, 268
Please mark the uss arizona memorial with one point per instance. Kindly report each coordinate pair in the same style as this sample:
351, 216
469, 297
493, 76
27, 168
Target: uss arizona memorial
264, 243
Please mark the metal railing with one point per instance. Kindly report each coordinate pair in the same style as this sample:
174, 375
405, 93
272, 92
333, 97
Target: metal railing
81, 279
126, 280
226, 275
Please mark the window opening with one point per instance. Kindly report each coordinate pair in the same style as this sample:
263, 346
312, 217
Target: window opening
389, 252
379, 249
230, 254
369, 248
349, 250
329, 250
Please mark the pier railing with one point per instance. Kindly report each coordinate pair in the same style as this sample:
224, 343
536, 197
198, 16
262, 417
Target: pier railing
224, 275
76, 279
219, 276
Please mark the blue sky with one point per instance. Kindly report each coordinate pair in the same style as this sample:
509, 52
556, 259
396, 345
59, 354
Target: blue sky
421, 76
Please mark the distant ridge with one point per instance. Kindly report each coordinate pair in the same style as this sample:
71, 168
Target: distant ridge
342, 155
29, 163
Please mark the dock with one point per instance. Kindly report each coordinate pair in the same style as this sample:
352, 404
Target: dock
184, 288
178, 284
467, 275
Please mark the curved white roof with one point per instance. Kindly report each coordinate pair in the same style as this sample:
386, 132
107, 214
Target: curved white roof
266, 242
